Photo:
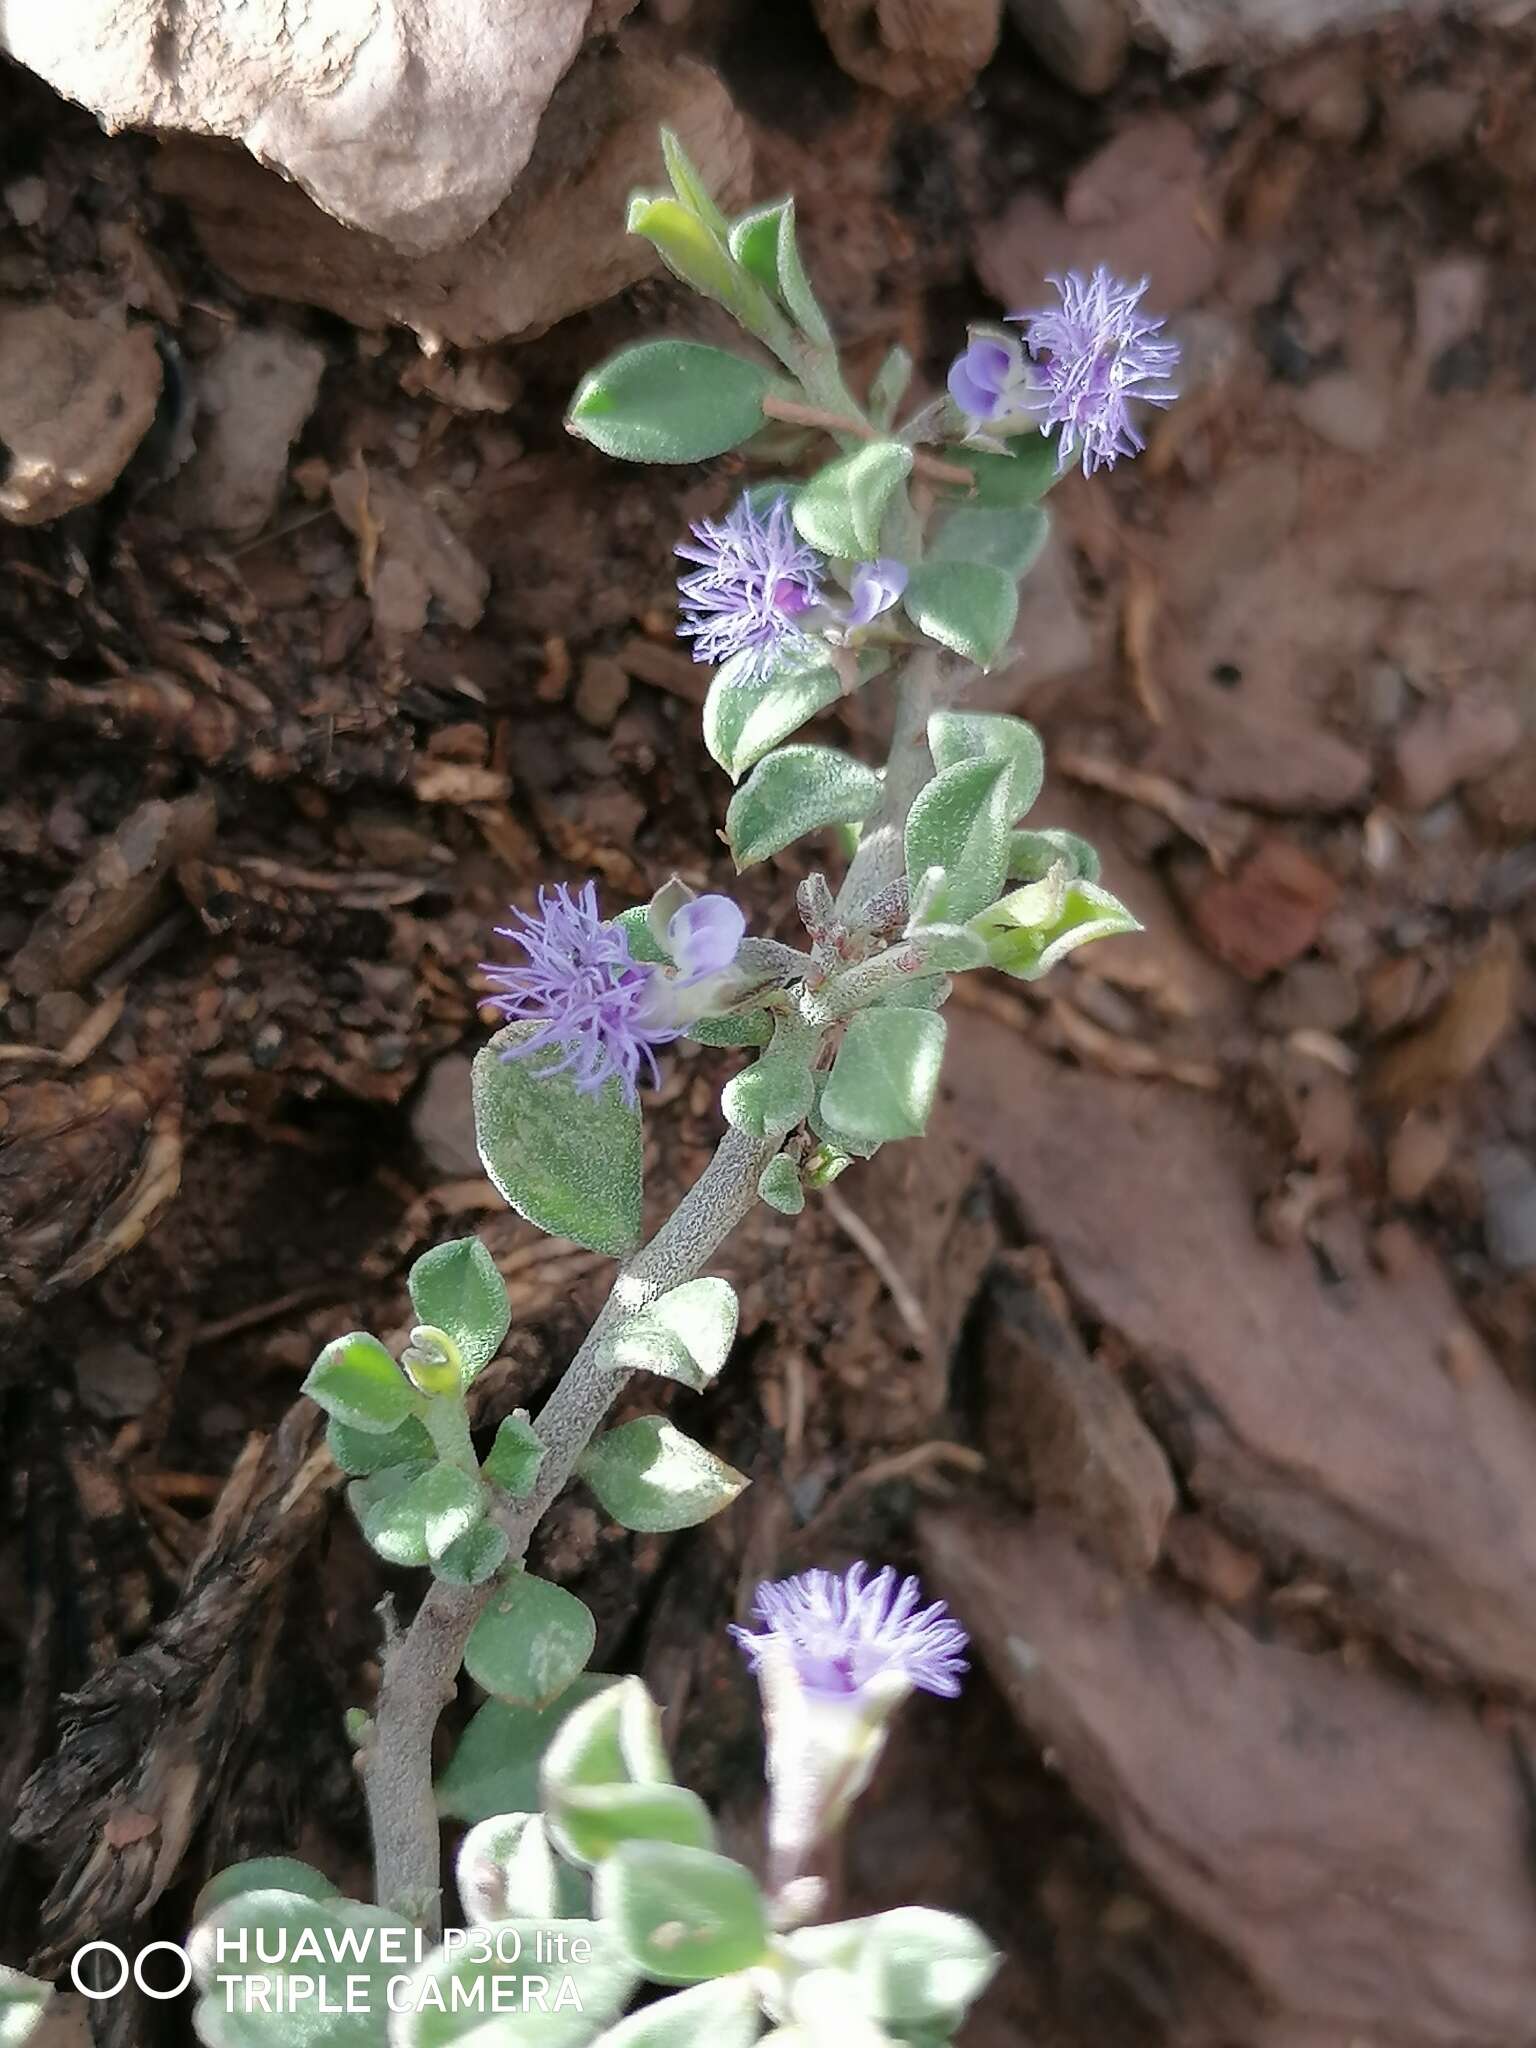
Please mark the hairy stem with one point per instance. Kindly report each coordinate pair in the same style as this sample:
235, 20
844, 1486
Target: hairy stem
845, 427
421, 1667
923, 685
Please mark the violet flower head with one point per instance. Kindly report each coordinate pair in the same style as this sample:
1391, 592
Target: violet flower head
580, 984
1091, 354
755, 580
843, 1631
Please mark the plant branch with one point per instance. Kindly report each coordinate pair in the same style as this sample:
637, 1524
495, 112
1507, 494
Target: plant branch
421, 1668
923, 686
844, 426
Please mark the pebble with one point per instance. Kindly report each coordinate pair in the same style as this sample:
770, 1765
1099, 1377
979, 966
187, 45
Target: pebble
27, 200
1508, 1176
1314, 995
115, 1380
602, 691
443, 1118
1085, 42
1456, 739
1346, 411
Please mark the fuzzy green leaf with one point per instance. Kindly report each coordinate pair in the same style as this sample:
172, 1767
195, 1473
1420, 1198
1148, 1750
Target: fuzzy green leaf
410, 1516
967, 607
530, 1642
688, 183
957, 736
764, 243
1032, 855
889, 385
360, 1452
745, 1027
688, 247
650, 1477
770, 1097
474, 1557
686, 1334
514, 1459
506, 1870
456, 1287
1032, 929
452, 2000
669, 401
571, 1163
841, 509
495, 1768
1019, 478
682, 1915
795, 791
724, 2014
357, 1382
885, 1075
779, 1185
326, 1990
747, 715
960, 823
1006, 539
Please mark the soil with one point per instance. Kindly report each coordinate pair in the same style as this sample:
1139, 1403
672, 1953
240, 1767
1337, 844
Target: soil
1191, 1357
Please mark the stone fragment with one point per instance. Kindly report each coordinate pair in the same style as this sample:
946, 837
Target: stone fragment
76, 398
1314, 995
443, 1118
556, 245
1508, 1178
1458, 738
1347, 410
252, 397
602, 692
408, 553
1357, 1846
1085, 42
928, 50
1269, 911
408, 119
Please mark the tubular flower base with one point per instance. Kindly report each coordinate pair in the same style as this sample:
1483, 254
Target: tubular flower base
583, 988
843, 1633
1091, 354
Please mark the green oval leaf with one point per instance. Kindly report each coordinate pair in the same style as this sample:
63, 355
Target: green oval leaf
725, 2014
842, 508
683, 1915
955, 737
1032, 855
613, 1738
571, 1163
456, 1287
336, 1958
684, 1335
1035, 927
474, 1557
768, 1099
650, 1477
966, 606
688, 183
545, 1984
514, 1459
795, 791
763, 242
1007, 538
360, 1452
669, 401
357, 1382
530, 1642
779, 1185
495, 1768
1016, 479
23, 2001
960, 822
746, 715
261, 1874
506, 1870
885, 1075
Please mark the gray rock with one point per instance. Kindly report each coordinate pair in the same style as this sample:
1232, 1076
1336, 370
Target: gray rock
443, 1118
253, 398
411, 118
1085, 42
115, 1380
1202, 32
1346, 410
1508, 1176
76, 398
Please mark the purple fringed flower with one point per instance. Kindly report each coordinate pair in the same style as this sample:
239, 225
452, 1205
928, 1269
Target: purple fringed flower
582, 987
1092, 353
874, 587
756, 579
844, 1631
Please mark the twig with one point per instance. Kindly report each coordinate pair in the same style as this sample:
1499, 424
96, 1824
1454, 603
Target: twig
798, 415
908, 1307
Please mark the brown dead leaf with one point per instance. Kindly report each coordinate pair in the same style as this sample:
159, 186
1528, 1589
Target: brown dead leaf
1459, 1035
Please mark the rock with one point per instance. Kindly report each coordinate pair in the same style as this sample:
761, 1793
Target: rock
1450, 297
1428, 122
115, 1380
602, 692
1314, 995
556, 245
1357, 1846
76, 398
1346, 410
1326, 92
928, 50
26, 201
443, 1118
1142, 205
1268, 912
409, 553
1418, 1152
1504, 803
1058, 1419
406, 119
1202, 32
1460, 1034
252, 400
1457, 739
1085, 42
1277, 760
1314, 1417
1508, 1177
